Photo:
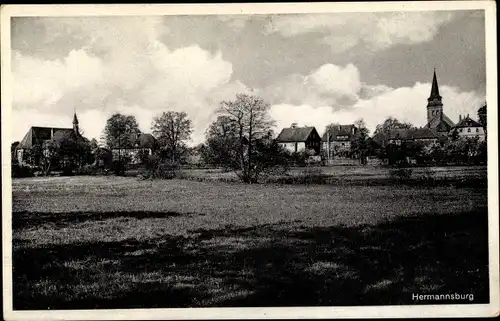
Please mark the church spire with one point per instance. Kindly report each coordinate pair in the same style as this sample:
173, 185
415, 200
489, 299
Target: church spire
75, 123
435, 87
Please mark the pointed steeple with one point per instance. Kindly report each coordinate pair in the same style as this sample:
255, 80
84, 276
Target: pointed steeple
75, 124
435, 87
75, 119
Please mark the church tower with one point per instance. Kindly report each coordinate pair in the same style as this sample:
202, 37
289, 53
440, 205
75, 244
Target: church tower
76, 130
434, 104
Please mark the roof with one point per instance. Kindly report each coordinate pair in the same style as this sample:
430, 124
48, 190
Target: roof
413, 133
468, 122
340, 130
299, 134
435, 122
37, 135
406, 134
139, 141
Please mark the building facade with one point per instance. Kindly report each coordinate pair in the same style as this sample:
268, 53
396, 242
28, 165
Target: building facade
469, 128
299, 139
336, 141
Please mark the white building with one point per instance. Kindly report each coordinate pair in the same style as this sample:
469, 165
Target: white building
469, 128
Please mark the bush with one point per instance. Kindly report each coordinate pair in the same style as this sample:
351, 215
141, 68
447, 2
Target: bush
310, 175
91, 169
400, 174
22, 170
157, 170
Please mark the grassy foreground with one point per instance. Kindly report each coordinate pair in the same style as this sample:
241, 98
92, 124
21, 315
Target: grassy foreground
109, 242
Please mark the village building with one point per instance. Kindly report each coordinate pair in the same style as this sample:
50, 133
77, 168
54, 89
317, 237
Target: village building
136, 147
38, 137
337, 140
299, 139
469, 128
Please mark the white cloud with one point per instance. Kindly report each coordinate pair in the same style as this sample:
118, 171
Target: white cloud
328, 85
375, 30
337, 81
123, 68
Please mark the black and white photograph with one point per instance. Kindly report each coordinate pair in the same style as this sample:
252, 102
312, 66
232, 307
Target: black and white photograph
264, 160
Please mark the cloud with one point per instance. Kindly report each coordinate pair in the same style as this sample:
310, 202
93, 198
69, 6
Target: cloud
327, 85
374, 30
406, 104
123, 67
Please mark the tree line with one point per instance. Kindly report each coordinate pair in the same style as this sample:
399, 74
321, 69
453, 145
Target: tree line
240, 139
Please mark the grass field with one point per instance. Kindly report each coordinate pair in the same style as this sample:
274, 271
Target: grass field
120, 242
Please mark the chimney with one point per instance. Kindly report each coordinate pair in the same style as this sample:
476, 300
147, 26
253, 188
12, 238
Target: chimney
294, 125
339, 127
459, 118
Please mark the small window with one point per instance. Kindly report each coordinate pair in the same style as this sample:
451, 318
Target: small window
468, 130
461, 130
477, 130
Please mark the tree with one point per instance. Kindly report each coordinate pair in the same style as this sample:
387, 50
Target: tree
390, 124
481, 115
221, 142
172, 129
250, 116
330, 127
120, 131
359, 144
70, 149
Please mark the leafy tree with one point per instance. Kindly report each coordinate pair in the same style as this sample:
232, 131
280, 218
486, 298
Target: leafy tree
172, 129
72, 150
250, 116
481, 115
390, 124
360, 145
121, 131
221, 143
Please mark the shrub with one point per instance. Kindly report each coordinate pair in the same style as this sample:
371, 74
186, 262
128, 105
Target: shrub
156, 170
400, 174
310, 175
22, 170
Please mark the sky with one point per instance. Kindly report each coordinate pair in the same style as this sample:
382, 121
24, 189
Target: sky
313, 69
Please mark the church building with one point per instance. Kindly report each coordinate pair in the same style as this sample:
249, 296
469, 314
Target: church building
37, 137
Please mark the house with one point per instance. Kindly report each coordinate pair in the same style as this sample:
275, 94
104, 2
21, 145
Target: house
298, 139
337, 140
37, 137
135, 147
414, 135
469, 128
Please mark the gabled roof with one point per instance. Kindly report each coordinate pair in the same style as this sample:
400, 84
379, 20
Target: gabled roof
298, 134
139, 141
404, 134
340, 130
435, 122
468, 122
37, 135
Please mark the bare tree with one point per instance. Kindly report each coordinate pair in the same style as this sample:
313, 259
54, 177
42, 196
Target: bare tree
250, 117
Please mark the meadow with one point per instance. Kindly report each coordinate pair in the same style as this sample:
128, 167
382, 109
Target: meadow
120, 242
